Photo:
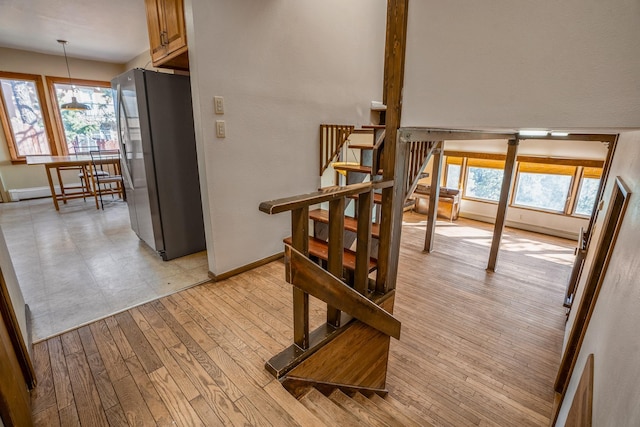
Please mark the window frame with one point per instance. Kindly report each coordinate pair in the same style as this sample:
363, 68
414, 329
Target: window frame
547, 169
44, 108
585, 172
485, 162
458, 161
582, 168
59, 126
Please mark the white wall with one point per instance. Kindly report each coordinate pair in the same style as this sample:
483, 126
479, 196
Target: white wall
283, 68
15, 294
612, 335
515, 64
20, 176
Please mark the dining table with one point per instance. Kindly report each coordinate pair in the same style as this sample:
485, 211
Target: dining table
81, 163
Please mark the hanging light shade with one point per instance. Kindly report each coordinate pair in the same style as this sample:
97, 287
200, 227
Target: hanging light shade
74, 104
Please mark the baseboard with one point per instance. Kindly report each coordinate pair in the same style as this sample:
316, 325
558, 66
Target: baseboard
18, 194
523, 226
244, 268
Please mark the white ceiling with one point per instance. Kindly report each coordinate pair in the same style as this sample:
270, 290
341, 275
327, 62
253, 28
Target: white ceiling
104, 30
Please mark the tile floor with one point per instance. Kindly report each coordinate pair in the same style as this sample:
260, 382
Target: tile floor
81, 264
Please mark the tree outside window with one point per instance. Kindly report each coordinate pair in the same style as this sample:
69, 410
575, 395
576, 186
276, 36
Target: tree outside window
484, 183
24, 120
543, 191
587, 196
85, 130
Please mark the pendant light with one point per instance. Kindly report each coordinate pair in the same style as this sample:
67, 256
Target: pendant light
74, 104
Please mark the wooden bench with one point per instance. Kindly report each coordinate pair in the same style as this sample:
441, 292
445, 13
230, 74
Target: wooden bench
448, 201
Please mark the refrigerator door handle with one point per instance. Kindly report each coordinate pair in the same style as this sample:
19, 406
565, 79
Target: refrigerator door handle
124, 132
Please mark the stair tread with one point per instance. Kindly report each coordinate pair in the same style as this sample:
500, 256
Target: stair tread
377, 198
353, 407
289, 403
361, 146
362, 131
350, 223
320, 248
352, 168
374, 126
325, 409
380, 412
395, 412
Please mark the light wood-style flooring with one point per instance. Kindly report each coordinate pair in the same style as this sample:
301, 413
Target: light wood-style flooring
477, 348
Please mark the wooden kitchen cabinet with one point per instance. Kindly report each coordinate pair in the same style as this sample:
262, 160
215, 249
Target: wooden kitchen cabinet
167, 34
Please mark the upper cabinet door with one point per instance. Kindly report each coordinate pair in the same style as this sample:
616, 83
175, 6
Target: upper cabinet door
176, 34
167, 34
155, 26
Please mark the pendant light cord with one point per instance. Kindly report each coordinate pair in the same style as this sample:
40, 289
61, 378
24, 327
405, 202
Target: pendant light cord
66, 60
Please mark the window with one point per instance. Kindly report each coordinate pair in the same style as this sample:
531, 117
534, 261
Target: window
543, 186
565, 186
484, 179
82, 131
25, 121
588, 191
452, 172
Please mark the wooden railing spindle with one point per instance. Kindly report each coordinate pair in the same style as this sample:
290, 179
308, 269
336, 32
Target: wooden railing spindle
336, 248
300, 242
363, 242
332, 139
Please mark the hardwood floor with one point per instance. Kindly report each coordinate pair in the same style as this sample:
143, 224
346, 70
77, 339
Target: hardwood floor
477, 348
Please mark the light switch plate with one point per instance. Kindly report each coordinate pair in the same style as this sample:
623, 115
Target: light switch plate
218, 105
221, 131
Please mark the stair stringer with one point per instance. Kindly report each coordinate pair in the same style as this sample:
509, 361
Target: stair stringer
358, 357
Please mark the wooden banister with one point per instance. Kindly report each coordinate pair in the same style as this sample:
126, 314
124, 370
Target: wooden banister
419, 153
359, 307
328, 284
312, 279
324, 195
332, 139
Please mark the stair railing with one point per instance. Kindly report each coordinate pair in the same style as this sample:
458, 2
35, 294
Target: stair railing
308, 278
418, 155
379, 135
332, 139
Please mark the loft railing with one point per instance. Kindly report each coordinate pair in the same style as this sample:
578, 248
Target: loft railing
418, 155
332, 139
356, 299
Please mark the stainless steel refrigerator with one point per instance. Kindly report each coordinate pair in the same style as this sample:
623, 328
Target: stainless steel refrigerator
159, 163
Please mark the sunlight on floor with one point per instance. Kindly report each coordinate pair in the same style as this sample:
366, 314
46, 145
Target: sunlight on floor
527, 247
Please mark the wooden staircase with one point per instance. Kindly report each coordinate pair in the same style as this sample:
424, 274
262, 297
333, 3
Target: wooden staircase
370, 158
333, 407
370, 164
348, 261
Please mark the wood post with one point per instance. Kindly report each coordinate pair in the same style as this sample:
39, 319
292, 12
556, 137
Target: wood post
336, 250
394, 58
433, 198
300, 240
505, 195
363, 243
611, 149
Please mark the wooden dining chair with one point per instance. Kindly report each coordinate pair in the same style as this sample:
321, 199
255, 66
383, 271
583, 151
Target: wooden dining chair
105, 175
84, 175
